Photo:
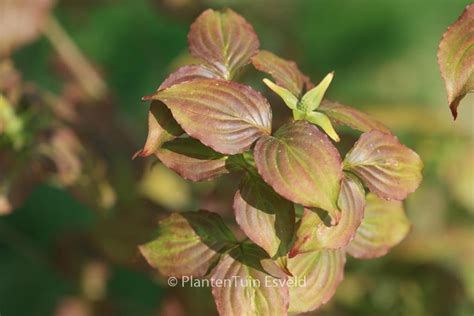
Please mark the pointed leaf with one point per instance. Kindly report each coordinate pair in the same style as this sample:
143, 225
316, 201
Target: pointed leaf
389, 169
456, 58
323, 121
223, 115
253, 284
320, 273
345, 115
313, 234
192, 160
188, 244
284, 72
265, 217
224, 40
289, 98
301, 164
162, 127
312, 99
384, 226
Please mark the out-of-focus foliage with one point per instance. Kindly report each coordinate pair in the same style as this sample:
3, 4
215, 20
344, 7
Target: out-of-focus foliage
53, 247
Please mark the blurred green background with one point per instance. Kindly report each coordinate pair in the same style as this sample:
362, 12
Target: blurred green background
59, 256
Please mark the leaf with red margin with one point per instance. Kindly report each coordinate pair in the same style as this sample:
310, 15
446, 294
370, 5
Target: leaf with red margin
224, 40
264, 216
389, 169
192, 160
301, 164
313, 234
285, 72
384, 226
346, 115
317, 275
456, 58
226, 116
162, 127
188, 244
251, 284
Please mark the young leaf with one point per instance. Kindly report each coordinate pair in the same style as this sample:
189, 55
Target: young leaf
301, 164
289, 98
384, 226
224, 40
389, 169
313, 234
162, 127
265, 217
318, 274
192, 160
188, 244
322, 121
345, 115
223, 115
456, 58
284, 72
312, 99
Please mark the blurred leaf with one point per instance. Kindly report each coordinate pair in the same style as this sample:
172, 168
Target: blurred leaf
320, 273
301, 164
224, 40
188, 244
192, 160
456, 58
253, 284
236, 115
384, 226
390, 170
265, 217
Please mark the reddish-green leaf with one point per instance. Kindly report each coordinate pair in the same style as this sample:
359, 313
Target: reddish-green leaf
226, 116
284, 72
317, 275
224, 40
162, 127
265, 217
188, 244
384, 226
192, 160
188, 73
456, 58
346, 115
251, 284
313, 234
389, 169
301, 164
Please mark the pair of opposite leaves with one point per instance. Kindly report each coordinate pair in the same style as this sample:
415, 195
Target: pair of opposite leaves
298, 161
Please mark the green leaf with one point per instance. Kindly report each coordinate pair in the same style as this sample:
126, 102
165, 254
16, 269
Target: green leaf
301, 164
284, 72
188, 244
313, 234
192, 160
312, 99
345, 115
226, 116
289, 98
317, 275
224, 40
456, 58
389, 169
254, 284
322, 121
384, 226
162, 127
265, 217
